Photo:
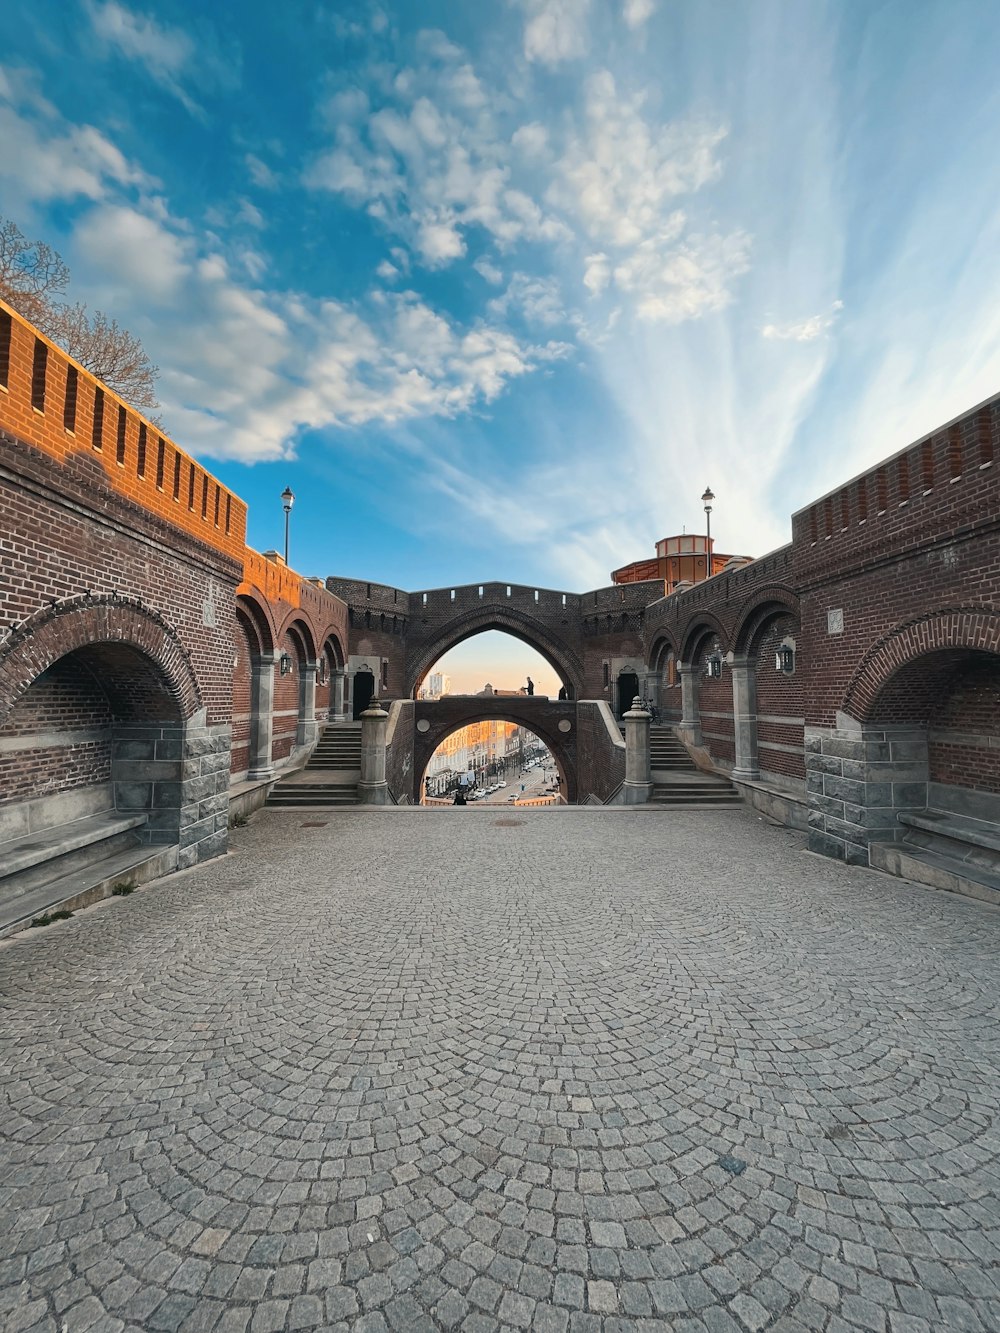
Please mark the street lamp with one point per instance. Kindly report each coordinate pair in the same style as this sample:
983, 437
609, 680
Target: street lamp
706, 500
287, 500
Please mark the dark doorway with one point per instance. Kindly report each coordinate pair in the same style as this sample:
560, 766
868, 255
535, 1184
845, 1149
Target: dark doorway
364, 689
628, 689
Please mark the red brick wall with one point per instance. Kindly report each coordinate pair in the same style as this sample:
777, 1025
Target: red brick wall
778, 696
286, 701
715, 701
239, 759
63, 699
964, 737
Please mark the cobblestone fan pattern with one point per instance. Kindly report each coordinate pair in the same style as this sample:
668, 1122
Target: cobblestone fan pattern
585, 1070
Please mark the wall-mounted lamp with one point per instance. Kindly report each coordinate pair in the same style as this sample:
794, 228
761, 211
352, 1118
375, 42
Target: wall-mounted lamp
784, 659
713, 666
286, 664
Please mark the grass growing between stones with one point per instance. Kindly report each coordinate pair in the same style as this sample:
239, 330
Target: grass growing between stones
49, 917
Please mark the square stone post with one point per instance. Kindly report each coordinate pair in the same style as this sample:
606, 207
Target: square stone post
306, 731
690, 714
638, 785
745, 718
337, 713
261, 716
373, 789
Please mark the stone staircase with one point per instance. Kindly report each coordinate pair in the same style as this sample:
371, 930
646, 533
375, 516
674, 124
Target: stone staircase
946, 851
677, 780
73, 865
331, 776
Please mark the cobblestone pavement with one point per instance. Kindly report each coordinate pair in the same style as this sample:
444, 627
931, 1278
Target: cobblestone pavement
479, 1069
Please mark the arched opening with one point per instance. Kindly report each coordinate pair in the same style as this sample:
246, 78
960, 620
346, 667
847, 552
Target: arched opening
778, 702
502, 648
665, 682
99, 730
494, 762
362, 689
330, 681
497, 663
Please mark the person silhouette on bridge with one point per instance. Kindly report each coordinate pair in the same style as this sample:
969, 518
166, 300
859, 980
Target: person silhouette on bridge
460, 797
531, 686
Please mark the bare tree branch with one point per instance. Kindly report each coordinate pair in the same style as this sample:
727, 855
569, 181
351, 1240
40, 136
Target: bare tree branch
32, 277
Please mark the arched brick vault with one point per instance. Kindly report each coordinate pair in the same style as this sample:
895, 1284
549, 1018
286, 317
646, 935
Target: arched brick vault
299, 627
132, 633
332, 645
560, 656
944, 631
663, 644
756, 613
696, 630
257, 611
538, 716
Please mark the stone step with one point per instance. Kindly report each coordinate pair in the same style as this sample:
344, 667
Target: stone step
937, 870
329, 796
82, 887
37, 858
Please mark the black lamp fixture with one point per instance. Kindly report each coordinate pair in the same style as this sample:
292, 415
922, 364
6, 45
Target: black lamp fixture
285, 663
706, 500
784, 659
287, 500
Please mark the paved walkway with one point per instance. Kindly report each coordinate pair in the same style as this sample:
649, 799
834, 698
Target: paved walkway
584, 1070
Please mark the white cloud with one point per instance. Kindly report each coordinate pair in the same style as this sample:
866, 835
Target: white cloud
537, 300
439, 241
40, 161
142, 253
260, 173
636, 12
556, 30
597, 273
171, 56
804, 330
387, 272
489, 271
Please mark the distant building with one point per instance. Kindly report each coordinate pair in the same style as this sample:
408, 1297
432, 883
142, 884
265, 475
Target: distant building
436, 686
689, 558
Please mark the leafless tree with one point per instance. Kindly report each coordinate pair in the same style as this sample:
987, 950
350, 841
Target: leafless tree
32, 274
32, 278
111, 353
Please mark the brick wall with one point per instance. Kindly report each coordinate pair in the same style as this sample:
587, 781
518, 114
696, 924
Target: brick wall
715, 697
964, 736
780, 707
67, 713
286, 701
239, 758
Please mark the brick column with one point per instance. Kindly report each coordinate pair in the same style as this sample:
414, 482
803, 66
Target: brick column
638, 785
690, 715
261, 715
858, 780
745, 718
307, 730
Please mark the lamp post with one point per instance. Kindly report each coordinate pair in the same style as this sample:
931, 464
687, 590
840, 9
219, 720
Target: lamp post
706, 500
287, 500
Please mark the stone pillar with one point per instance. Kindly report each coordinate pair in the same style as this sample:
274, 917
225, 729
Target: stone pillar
651, 686
745, 718
373, 788
261, 715
638, 785
337, 713
307, 729
690, 714
859, 778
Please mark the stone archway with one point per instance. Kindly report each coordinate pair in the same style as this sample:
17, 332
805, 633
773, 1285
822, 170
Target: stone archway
107, 681
532, 631
553, 722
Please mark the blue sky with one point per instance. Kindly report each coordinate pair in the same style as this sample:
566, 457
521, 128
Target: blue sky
498, 288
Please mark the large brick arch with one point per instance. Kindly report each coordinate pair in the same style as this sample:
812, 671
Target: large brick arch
298, 624
662, 645
255, 607
701, 624
87, 623
757, 611
946, 630
564, 660
539, 716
